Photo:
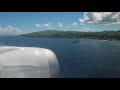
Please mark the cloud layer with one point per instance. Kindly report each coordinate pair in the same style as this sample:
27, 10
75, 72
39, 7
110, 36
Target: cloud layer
74, 24
60, 25
46, 25
38, 25
10, 30
87, 29
101, 17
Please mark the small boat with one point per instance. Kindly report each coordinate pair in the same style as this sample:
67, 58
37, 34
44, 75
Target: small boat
75, 41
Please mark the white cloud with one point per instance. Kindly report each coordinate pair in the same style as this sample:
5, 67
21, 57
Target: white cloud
101, 17
17, 30
10, 30
38, 25
60, 25
74, 24
47, 25
87, 29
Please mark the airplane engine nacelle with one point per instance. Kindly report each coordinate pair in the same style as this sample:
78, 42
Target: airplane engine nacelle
28, 62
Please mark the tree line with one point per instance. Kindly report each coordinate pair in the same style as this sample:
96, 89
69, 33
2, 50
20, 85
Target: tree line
111, 35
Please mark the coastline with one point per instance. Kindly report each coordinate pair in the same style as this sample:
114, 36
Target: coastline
74, 38
103, 35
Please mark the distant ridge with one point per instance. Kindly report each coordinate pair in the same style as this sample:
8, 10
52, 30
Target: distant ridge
111, 35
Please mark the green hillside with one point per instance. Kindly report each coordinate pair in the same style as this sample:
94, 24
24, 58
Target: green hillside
111, 35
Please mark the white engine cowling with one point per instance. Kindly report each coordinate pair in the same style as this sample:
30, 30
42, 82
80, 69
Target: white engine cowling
28, 62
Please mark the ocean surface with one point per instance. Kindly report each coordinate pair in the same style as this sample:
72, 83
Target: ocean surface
78, 58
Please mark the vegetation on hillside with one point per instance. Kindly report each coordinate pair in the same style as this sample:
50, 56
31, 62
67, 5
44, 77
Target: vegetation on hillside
111, 35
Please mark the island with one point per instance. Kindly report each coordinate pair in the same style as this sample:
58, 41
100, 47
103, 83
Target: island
103, 35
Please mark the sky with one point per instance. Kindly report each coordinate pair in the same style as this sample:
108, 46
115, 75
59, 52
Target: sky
25, 22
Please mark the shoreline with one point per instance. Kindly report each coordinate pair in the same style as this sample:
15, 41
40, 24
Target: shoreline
103, 35
75, 38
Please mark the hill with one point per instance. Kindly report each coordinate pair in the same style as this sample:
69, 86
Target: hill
111, 35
